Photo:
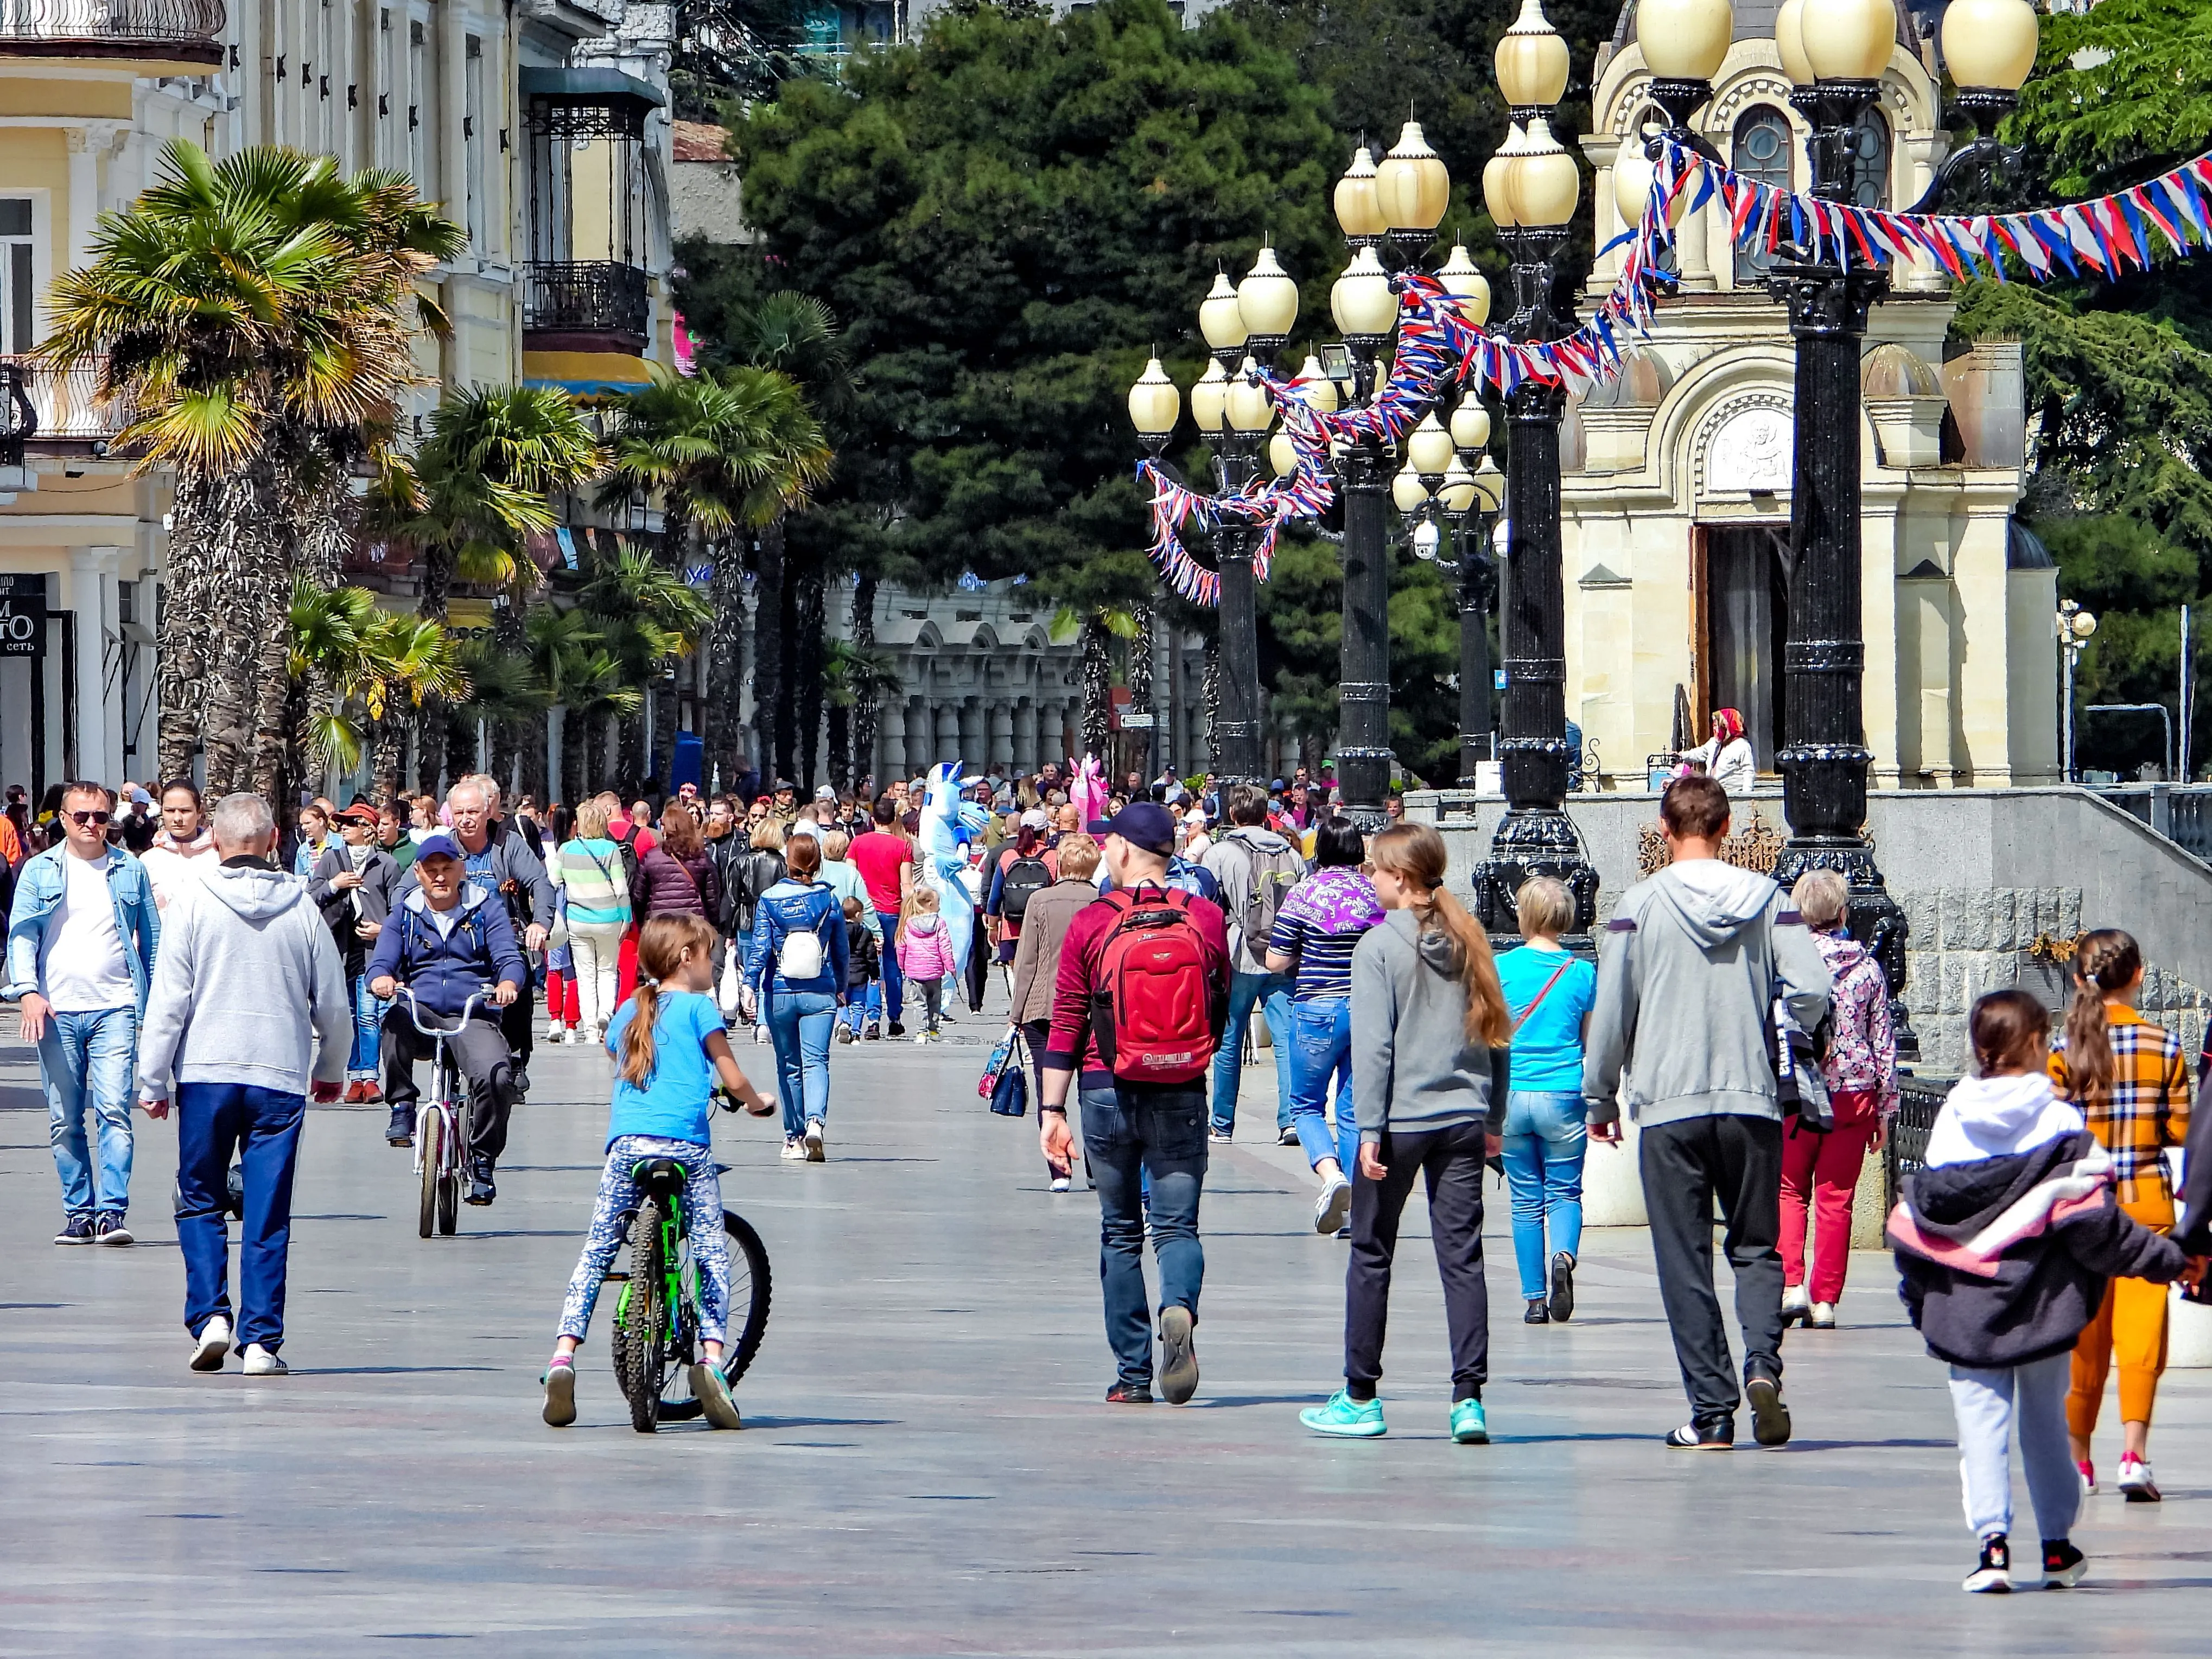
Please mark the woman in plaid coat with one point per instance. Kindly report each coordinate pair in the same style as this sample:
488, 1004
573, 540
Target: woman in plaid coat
2129, 1079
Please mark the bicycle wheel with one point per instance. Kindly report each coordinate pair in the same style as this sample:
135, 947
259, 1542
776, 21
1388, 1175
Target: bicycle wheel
449, 1188
430, 1147
751, 1291
642, 1329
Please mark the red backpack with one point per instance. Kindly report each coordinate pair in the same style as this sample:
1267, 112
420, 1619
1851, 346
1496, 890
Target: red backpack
1151, 1009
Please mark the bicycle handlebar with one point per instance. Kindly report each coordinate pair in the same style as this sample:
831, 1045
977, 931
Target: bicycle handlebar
415, 1011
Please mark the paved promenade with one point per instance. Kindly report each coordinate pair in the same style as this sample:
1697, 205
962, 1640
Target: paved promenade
927, 1467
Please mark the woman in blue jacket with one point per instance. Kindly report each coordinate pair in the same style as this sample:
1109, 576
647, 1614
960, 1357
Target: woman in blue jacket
795, 963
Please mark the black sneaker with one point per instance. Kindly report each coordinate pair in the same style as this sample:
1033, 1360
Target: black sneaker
1129, 1394
1178, 1356
2062, 1565
895, 1030
1536, 1313
1562, 1286
400, 1132
1286, 1137
109, 1229
520, 1075
481, 1190
1715, 1433
77, 1229
875, 1031
1770, 1417
1992, 1574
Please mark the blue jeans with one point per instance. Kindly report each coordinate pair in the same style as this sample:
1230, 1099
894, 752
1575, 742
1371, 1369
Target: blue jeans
91, 1060
860, 1009
1270, 993
212, 1118
1134, 1134
367, 1022
1545, 1140
798, 1025
1321, 1043
893, 1003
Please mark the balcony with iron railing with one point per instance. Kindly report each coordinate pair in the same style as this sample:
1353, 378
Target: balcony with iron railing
45, 411
178, 37
592, 305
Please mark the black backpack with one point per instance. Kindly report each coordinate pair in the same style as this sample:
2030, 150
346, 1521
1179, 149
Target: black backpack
1024, 880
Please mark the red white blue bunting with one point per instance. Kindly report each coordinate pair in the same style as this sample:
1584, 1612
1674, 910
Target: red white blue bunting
1438, 346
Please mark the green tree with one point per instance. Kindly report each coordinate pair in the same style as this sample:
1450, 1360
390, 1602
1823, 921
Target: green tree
352, 667
256, 318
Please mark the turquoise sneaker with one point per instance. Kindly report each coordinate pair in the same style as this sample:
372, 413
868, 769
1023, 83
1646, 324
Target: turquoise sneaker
1346, 1418
1468, 1425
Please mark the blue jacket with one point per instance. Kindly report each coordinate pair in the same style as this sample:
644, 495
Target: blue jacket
444, 970
39, 888
788, 907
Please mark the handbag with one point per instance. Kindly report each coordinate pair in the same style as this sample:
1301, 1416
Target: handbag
1005, 1082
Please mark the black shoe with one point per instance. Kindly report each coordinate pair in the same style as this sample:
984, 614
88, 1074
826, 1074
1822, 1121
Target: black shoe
1129, 1394
520, 1075
1992, 1574
1178, 1356
1715, 1433
480, 1191
76, 1229
400, 1132
1770, 1417
894, 1029
2062, 1565
1536, 1313
1562, 1286
1286, 1137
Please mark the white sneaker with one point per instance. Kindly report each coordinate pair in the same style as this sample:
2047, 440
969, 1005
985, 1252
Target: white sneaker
259, 1362
1824, 1316
921, 1037
1060, 1183
1796, 1305
760, 1035
212, 1345
812, 1140
555, 1031
794, 1150
1333, 1204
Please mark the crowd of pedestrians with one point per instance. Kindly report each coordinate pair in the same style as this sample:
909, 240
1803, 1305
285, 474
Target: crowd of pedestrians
216, 969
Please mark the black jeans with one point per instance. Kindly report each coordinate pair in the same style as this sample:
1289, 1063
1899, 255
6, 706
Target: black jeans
980, 957
515, 1024
479, 1049
1450, 1160
1687, 1167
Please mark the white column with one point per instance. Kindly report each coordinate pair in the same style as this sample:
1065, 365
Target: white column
1026, 735
91, 572
85, 145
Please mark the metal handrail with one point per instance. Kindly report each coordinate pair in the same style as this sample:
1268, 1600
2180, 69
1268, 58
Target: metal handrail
65, 401
587, 295
111, 20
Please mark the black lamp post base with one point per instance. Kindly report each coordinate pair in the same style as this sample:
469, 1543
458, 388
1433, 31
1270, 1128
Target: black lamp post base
1876, 922
1530, 842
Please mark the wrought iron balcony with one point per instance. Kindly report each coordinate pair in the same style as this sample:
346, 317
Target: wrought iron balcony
52, 411
172, 31
586, 296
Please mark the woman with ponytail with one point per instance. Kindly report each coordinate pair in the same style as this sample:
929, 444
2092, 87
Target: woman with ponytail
669, 1049
1430, 1040
2129, 1079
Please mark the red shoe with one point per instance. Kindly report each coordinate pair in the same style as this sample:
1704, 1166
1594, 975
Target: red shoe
370, 1094
352, 1096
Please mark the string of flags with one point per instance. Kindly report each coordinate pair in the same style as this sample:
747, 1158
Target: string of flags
1438, 348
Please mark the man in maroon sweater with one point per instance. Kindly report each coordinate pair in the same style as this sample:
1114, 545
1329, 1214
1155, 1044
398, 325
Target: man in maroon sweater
1135, 1130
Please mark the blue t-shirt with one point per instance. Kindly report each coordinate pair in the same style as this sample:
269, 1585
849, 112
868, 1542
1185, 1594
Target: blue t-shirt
1547, 1050
676, 1099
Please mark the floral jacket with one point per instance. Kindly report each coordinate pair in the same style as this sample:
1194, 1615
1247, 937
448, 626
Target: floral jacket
1862, 1045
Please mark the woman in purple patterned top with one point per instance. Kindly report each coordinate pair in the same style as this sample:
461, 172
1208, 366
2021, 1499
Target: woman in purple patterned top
1822, 1171
1318, 927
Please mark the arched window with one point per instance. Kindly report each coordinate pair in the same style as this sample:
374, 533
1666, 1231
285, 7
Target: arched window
1870, 162
1759, 150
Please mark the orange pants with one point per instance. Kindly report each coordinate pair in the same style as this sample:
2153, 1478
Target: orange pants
2129, 1327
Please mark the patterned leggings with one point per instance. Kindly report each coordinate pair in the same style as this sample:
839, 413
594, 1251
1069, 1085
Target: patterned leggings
703, 1205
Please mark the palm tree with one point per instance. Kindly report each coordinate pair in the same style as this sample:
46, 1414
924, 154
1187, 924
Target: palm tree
1098, 626
648, 615
353, 663
727, 451
855, 677
505, 694
254, 319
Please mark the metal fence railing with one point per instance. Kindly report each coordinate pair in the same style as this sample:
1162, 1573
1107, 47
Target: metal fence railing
199, 21
585, 296
65, 403
2182, 812
1919, 1100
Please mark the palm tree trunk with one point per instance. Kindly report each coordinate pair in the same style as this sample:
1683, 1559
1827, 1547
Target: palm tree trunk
223, 622
390, 745
724, 741
866, 711
1098, 685
767, 646
813, 598
787, 687
841, 747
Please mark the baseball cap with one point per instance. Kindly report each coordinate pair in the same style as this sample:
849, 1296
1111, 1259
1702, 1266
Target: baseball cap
440, 846
1279, 785
1037, 818
359, 812
825, 793
1145, 823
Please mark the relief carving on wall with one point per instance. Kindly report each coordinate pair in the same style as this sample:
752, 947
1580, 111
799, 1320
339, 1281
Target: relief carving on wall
1745, 447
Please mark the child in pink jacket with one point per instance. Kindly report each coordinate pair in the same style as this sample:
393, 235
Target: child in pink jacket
925, 955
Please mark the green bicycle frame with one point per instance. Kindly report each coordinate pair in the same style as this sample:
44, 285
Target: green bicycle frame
674, 1286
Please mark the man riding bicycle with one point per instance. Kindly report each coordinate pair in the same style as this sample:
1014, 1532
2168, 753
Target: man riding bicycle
449, 939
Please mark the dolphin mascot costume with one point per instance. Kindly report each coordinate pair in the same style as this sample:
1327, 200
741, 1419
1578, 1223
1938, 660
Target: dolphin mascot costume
948, 824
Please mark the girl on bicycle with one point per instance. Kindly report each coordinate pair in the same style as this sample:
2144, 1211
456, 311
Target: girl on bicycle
669, 1048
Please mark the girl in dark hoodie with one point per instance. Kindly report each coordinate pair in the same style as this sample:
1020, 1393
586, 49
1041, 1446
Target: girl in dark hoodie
2006, 1238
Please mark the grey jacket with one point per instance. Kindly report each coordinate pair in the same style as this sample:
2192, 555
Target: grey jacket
1231, 860
1412, 1067
1687, 975
247, 972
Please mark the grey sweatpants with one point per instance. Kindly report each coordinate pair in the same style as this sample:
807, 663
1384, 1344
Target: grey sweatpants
1986, 1403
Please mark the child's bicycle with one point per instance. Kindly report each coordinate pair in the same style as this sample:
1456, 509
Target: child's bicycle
656, 1316
441, 1125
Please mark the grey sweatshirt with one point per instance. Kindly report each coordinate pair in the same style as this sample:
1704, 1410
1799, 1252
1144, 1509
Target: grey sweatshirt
245, 970
1687, 974
1412, 1067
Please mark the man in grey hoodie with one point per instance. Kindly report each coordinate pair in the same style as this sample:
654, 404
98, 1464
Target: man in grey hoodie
248, 1006
1255, 868
1689, 973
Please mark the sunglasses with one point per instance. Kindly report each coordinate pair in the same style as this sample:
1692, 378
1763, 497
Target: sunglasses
87, 817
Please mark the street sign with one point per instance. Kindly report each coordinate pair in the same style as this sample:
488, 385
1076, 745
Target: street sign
1136, 722
22, 616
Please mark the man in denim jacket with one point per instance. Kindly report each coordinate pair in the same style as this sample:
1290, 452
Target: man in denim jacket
80, 939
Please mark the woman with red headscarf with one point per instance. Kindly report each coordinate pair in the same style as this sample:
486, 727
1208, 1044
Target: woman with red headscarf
1728, 756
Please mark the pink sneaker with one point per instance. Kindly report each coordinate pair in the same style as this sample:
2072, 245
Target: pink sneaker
2088, 1476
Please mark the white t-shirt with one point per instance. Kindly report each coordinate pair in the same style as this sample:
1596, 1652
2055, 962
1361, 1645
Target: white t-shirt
82, 966
171, 872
